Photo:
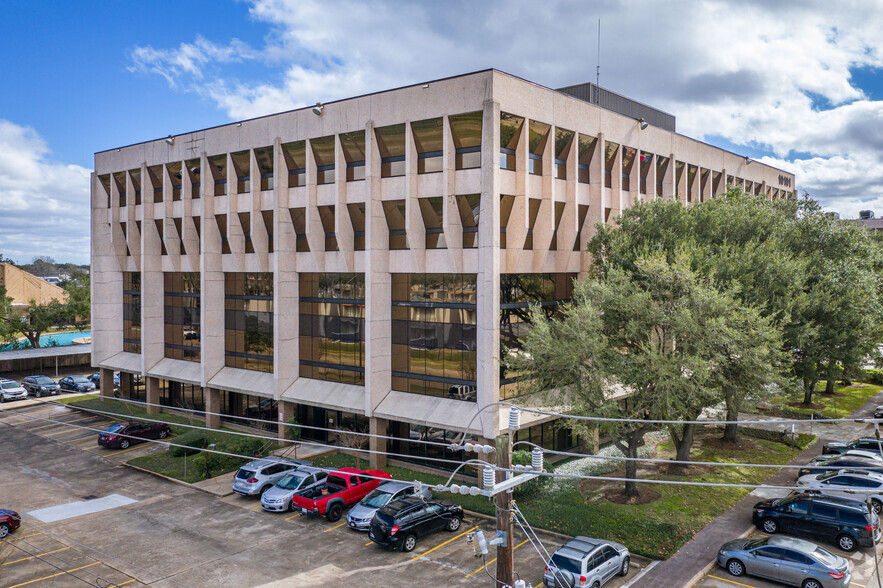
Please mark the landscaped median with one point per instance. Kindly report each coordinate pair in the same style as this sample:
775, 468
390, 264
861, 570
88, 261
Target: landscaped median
840, 405
188, 464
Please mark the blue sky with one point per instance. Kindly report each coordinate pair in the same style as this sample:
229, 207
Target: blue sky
787, 82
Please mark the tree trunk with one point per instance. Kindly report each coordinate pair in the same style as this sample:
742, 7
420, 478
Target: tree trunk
34, 338
730, 431
631, 469
809, 386
684, 443
829, 386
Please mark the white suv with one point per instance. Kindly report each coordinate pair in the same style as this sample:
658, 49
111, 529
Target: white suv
11, 390
256, 477
856, 484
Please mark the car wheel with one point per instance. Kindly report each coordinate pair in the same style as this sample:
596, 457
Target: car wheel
264, 489
2, 399
163, 434
409, 543
877, 506
735, 567
4, 530
124, 444
596, 585
454, 524
770, 526
624, 569
334, 513
846, 543
811, 584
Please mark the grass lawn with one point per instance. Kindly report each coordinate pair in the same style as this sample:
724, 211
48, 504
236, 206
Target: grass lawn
844, 401
168, 465
656, 529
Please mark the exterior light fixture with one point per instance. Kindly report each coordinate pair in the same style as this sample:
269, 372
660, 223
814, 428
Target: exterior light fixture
170, 140
318, 108
644, 124
747, 160
425, 86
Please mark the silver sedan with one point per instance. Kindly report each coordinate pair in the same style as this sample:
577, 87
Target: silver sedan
278, 498
787, 560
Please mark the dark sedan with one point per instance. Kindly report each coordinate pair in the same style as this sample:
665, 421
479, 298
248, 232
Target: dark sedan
9, 522
40, 386
76, 384
122, 435
96, 379
840, 462
865, 443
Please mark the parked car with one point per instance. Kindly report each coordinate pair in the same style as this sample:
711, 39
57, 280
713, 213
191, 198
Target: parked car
844, 521
96, 379
584, 561
341, 489
278, 498
866, 443
855, 484
9, 522
844, 461
40, 386
256, 477
122, 435
878, 412
787, 560
11, 390
359, 517
852, 453
402, 522
76, 384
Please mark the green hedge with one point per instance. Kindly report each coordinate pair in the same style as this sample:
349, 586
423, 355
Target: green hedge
194, 440
801, 442
874, 376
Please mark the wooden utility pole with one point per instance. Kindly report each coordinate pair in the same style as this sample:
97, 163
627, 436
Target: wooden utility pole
503, 500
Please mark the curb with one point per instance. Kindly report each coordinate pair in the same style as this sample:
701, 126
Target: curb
712, 564
176, 481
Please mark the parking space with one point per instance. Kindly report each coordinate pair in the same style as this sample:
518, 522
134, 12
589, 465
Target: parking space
173, 535
861, 564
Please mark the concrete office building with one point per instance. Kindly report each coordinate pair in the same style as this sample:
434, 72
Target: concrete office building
364, 263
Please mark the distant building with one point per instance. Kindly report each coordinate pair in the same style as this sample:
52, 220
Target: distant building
23, 287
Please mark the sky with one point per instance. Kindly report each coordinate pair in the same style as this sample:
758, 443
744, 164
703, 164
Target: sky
797, 84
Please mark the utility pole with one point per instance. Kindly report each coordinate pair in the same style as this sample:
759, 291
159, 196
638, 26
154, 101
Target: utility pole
503, 500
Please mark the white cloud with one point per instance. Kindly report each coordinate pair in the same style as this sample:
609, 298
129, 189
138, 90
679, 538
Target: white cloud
772, 75
44, 205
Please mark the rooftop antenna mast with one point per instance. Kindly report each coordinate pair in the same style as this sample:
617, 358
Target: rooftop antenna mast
598, 67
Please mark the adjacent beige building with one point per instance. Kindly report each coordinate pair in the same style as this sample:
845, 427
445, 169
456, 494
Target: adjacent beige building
365, 263
24, 287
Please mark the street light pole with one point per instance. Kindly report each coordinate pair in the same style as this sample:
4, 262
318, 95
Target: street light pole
503, 502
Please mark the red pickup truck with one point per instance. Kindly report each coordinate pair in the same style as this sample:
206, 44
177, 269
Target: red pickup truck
342, 488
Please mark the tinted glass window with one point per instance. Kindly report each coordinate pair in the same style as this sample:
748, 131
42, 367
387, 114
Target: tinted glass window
852, 517
799, 507
434, 509
770, 552
824, 510
596, 560
354, 481
796, 557
566, 564
608, 552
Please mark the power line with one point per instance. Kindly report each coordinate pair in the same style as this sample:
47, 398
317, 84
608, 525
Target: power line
39, 557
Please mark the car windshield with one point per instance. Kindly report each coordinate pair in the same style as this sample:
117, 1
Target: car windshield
785, 500
8, 385
826, 476
291, 481
825, 557
566, 564
755, 543
79, 380
377, 499
43, 380
114, 429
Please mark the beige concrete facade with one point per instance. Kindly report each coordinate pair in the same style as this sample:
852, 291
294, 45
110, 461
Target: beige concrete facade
24, 287
130, 234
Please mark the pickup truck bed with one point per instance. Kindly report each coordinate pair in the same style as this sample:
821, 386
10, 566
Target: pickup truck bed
341, 489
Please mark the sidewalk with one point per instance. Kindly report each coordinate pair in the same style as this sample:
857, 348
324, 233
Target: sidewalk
693, 560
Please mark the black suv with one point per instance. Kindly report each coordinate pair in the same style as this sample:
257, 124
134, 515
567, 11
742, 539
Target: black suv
40, 386
401, 522
865, 443
843, 521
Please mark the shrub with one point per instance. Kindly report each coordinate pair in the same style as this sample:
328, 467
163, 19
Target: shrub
248, 446
801, 442
874, 376
194, 441
292, 433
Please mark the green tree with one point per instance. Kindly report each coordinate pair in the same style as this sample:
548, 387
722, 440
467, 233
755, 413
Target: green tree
79, 296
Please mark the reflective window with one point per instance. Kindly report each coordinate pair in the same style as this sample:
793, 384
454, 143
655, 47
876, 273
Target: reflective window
119, 179
563, 142
586, 152
394, 211
248, 321
264, 157
332, 327
517, 292
428, 139
295, 155
466, 132
433, 334
510, 132
610, 150
194, 169
353, 146
539, 134
391, 142
155, 175
407, 437
469, 207
132, 312
182, 305
323, 151
628, 161
135, 177
176, 179
242, 167
432, 211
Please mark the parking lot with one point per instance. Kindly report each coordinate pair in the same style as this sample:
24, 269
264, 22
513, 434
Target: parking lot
174, 535
861, 560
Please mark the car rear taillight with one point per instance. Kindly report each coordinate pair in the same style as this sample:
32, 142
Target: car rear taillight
837, 575
869, 529
582, 580
394, 530
252, 480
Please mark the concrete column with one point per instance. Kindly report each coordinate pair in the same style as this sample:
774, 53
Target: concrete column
212, 404
286, 410
126, 384
106, 383
377, 426
151, 387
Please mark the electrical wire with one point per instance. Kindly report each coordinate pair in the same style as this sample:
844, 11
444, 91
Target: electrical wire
39, 557
547, 558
